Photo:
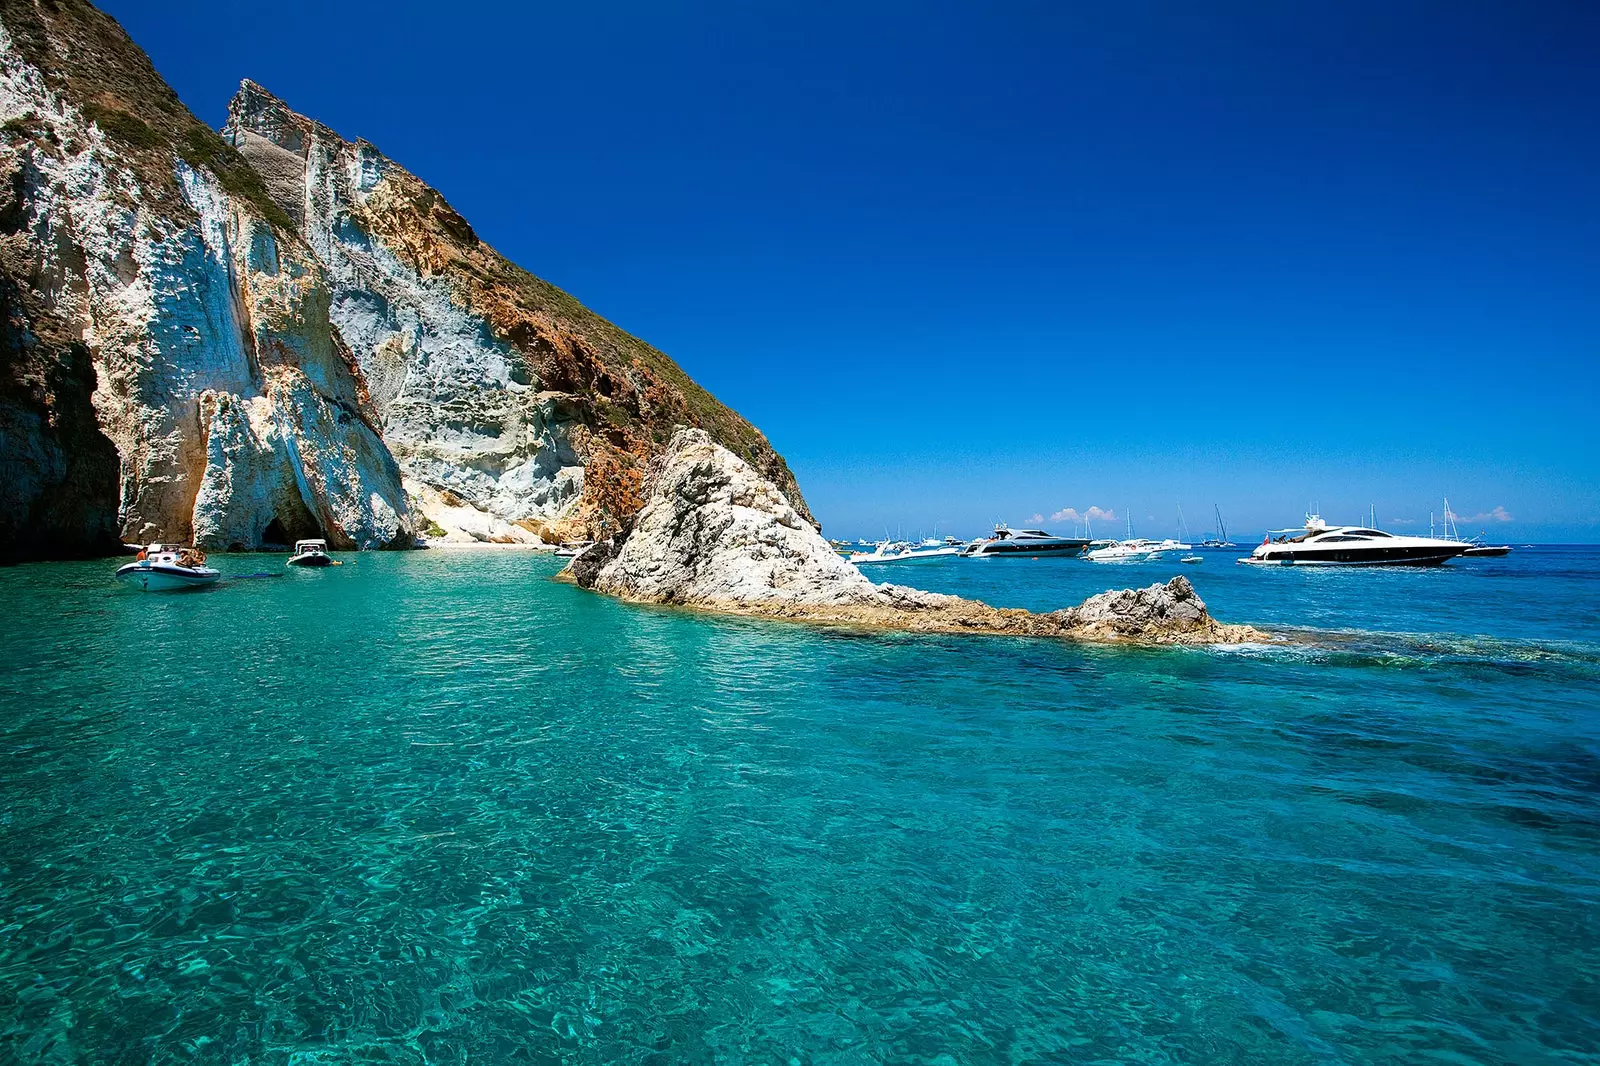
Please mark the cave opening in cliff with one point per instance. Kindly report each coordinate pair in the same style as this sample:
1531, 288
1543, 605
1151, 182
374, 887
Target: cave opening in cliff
285, 529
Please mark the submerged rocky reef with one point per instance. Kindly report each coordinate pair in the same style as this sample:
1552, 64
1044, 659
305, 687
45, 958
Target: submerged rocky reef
714, 534
272, 333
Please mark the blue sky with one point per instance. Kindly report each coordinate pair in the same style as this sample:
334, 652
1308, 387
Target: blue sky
969, 262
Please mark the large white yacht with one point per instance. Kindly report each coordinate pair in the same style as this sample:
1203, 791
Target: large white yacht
1029, 542
1320, 544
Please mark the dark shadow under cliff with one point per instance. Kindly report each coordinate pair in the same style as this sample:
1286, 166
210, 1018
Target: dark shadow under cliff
58, 472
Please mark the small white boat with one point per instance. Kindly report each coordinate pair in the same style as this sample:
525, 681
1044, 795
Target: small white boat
1193, 559
1127, 551
168, 568
311, 553
900, 552
571, 548
1135, 549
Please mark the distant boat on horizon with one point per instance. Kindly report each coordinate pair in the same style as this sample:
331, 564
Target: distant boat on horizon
1221, 539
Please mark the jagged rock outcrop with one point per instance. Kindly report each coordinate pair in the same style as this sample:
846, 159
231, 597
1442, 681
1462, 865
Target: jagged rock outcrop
141, 242
714, 533
495, 391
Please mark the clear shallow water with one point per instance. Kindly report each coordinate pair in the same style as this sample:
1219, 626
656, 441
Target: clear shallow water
436, 808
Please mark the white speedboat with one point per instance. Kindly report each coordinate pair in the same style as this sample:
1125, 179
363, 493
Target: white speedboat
571, 548
1024, 542
168, 568
1128, 551
900, 552
311, 553
1320, 544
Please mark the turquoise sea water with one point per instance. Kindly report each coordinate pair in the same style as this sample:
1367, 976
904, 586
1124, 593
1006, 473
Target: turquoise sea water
436, 808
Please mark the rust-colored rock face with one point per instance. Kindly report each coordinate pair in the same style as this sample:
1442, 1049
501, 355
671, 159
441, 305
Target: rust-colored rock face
494, 388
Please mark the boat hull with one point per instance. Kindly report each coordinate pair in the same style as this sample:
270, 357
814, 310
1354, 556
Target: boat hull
1385, 556
166, 578
1488, 551
1017, 548
310, 560
923, 556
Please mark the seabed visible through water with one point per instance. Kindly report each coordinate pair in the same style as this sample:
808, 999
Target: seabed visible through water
435, 807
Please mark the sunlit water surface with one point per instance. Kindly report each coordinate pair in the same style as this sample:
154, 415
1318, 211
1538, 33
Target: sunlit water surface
436, 808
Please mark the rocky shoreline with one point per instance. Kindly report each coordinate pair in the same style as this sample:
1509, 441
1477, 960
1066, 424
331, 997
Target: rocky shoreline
715, 535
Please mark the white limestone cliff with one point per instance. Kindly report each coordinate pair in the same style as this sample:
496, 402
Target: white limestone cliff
458, 405
508, 405
713, 531
234, 409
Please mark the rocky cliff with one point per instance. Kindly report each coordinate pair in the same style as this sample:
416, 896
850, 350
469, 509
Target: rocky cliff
143, 250
496, 391
714, 533
195, 347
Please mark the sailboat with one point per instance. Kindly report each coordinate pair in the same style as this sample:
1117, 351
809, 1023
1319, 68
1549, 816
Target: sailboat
1221, 539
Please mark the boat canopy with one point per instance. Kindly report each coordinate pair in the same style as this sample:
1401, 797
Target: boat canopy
310, 545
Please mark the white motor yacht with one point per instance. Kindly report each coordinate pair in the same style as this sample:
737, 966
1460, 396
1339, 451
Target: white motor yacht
1320, 544
900, 552
168, 568
311, 553
1128, 551
1024, 542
